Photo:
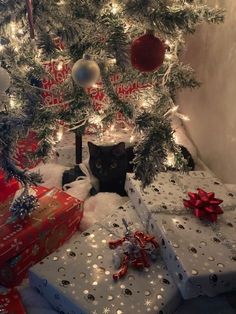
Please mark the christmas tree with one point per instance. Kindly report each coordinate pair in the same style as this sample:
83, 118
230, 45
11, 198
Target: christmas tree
138, 40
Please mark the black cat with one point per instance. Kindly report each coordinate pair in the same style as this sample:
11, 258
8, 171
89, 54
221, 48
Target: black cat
109, 164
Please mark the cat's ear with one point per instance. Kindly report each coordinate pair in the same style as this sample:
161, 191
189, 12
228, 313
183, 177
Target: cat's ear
93, 149
119, 149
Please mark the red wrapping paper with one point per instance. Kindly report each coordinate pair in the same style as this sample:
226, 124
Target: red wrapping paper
10, 302
7, 189
25, 243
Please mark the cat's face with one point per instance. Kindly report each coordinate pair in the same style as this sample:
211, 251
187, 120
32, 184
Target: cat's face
107, 162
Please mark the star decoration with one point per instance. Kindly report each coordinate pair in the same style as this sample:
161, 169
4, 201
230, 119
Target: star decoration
106, 310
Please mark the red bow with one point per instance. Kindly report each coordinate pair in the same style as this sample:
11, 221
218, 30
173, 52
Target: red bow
205, 205
139, 260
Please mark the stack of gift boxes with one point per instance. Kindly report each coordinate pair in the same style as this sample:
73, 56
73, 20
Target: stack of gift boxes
196, 256
78, 278
199, 253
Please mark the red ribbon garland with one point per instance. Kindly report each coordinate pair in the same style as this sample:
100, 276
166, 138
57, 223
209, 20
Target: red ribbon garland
205, 205
30, 17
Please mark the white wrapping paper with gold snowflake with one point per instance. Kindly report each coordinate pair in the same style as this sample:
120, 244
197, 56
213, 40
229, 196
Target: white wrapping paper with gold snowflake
200, 255
78, 277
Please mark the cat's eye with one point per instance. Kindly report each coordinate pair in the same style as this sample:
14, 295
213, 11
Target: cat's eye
98, 164
113, 164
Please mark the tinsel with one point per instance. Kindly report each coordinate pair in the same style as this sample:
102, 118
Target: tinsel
24, 205
133, 249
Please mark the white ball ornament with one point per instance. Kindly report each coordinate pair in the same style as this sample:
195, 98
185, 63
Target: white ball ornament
5, 80
85, 72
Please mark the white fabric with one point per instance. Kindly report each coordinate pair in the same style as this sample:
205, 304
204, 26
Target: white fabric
97, 207
51, 174
83, 184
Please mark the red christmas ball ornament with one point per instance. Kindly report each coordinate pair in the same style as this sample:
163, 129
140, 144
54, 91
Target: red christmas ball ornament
147, 53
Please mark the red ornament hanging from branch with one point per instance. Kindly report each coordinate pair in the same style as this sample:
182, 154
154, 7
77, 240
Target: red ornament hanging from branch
147, 53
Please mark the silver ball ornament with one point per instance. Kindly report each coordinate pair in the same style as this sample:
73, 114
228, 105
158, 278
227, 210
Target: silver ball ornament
85, 72
5, 80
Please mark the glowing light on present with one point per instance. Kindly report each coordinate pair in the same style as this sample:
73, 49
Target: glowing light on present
95, 85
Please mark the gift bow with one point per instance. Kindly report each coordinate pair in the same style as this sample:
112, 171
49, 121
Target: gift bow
138, 259
205, 205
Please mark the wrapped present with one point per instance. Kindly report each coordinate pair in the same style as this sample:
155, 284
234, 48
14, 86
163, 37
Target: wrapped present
170, 188
10, 302
24, 147
205, 181
7, 188
200, 254
26, 242
78, 278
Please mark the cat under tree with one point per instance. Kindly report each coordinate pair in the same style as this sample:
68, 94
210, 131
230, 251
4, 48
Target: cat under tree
84, 63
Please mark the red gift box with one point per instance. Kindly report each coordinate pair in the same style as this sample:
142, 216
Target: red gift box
10, 302
26, 242
24, 147
7, 188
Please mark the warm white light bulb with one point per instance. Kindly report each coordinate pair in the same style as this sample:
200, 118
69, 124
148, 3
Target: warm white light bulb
20, 31
112, 61
115, 8
182, 116
170, 159
60, 133
60, 66
169, 56
12, 103
132, 137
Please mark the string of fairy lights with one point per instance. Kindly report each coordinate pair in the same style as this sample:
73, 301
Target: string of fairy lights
15, 31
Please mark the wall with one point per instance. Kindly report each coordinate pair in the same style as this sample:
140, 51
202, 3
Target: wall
212, 108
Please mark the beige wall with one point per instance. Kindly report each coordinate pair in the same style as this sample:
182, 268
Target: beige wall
212, 108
